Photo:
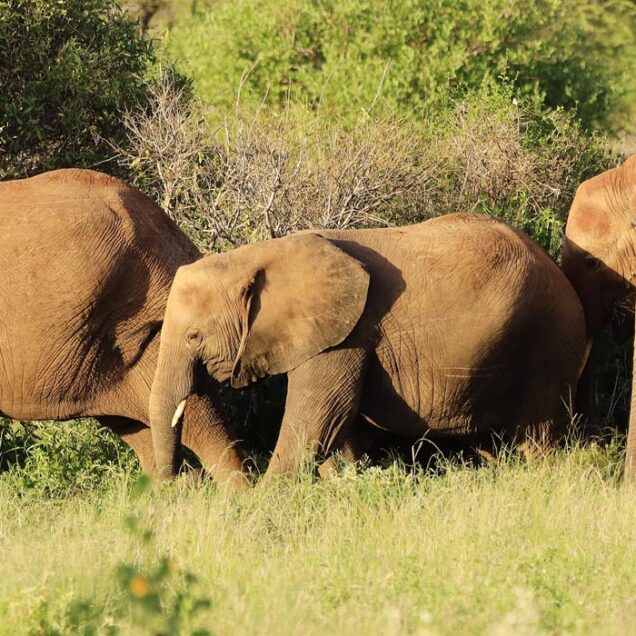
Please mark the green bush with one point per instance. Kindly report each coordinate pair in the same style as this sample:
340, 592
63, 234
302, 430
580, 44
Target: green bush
67, 70
499, 153
336, 55
56, 459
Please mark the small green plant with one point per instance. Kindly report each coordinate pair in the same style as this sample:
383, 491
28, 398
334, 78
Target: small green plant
162, 599
58, 459
148, 594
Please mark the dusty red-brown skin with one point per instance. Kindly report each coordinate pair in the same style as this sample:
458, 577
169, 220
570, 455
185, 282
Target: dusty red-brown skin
87, 263
599, 258
589, 222
458, 327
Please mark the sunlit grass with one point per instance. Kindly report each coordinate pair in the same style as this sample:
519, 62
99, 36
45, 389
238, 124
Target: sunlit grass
509, 548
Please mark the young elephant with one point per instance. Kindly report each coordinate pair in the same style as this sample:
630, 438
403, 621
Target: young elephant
599, 258
460, 326
87, 264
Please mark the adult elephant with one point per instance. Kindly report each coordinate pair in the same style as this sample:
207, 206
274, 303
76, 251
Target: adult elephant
87, 263
460, 326
599, 259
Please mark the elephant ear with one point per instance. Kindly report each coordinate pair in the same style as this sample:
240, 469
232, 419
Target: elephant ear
304, 296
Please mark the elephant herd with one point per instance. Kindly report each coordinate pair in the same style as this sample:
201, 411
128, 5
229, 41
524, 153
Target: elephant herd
459, 328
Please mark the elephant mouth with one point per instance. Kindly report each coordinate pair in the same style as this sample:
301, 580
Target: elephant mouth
219, 370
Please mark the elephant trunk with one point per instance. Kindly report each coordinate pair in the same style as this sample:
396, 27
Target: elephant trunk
172, 384
630, 456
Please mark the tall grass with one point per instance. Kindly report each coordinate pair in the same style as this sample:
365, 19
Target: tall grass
509, 548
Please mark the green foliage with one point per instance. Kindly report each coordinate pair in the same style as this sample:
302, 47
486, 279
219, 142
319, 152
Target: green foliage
162, 599
67, 70
58, 459
341, 55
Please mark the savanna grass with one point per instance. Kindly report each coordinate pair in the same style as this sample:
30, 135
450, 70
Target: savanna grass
507, 548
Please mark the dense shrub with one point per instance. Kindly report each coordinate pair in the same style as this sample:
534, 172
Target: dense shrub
264, 175
335, 55
504, 155
67, 70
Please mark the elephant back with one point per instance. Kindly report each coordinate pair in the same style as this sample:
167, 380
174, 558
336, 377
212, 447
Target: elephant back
87, 263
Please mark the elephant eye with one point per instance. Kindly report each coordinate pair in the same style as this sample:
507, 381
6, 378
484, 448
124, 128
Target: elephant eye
193, 338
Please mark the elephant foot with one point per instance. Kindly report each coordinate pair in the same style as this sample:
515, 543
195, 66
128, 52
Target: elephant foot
329, 468
235, 481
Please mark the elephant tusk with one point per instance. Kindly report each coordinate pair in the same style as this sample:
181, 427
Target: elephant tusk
178, 413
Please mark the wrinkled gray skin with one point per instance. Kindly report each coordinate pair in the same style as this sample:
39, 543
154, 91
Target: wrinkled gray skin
457, 327
87, 264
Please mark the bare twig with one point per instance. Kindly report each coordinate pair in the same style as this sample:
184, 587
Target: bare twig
266, 175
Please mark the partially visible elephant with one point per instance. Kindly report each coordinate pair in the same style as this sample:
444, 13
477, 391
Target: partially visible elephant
599, 259
87, 264
460, 326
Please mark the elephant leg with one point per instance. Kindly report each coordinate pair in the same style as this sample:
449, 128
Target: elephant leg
137, 436
544, 417
323, 396
206, 433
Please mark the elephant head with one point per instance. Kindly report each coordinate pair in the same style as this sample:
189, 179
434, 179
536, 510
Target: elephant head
257, 310
599, 259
